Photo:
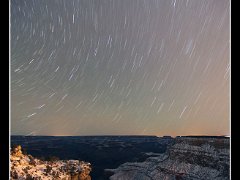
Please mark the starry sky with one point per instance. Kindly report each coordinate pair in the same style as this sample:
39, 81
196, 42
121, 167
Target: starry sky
111, 67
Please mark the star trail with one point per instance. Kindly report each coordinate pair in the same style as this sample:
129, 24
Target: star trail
110, 67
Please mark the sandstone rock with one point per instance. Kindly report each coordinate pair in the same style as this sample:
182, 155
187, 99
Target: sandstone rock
187, 159
17, 151
27, 167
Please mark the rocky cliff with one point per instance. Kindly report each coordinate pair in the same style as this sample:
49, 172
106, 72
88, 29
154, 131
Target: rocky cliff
187, 159
30, 168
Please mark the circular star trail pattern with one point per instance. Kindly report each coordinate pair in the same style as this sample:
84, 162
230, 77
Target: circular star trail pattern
103, 67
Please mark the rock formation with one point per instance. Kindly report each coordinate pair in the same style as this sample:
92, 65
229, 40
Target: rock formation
30, 168
188, 159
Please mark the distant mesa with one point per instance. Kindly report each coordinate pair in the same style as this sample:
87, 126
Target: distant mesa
204, 136
167, 136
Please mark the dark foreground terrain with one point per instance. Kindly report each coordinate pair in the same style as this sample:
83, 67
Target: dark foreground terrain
136, 157
103, 152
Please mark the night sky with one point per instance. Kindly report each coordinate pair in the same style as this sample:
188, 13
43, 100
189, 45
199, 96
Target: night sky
120, 67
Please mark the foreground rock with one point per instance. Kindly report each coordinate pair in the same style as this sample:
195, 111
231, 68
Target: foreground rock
27, 167
188, 159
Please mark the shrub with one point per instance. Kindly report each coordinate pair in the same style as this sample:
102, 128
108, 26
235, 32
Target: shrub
52, 158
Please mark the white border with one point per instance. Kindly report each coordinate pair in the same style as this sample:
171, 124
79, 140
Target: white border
9, 83
230, 157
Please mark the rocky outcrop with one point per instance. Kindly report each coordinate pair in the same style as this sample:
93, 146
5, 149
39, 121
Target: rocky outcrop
30, 168
187, 159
